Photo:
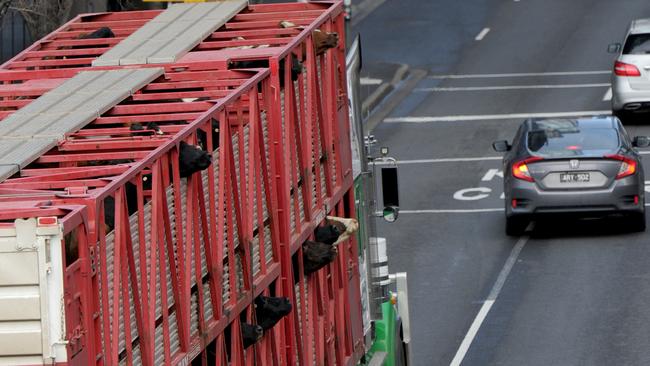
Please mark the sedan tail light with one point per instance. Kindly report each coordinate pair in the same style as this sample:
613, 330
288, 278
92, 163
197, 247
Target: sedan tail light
628, 166
520, 169
623, 69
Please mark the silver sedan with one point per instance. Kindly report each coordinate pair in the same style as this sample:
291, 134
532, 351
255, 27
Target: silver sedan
585, 166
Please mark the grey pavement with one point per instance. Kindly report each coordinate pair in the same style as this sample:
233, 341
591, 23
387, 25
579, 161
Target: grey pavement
577, 293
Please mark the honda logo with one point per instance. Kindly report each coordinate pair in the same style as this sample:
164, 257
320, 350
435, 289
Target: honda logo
574, 164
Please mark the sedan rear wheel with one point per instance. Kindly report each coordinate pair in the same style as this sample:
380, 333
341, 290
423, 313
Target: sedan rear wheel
515, 225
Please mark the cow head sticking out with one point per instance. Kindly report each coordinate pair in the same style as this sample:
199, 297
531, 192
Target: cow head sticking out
317, 255
192, 159
269, 310
323, 41
251, 334
329, 233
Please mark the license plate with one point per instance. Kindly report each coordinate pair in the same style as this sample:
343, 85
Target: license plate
574, 177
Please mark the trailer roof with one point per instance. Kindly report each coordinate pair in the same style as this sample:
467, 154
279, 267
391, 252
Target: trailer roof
171, 33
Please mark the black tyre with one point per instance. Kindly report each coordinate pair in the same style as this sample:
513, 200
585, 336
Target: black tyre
637, 222
622, 116
516, 225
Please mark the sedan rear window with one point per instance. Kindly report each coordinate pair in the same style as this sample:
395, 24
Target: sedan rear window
576, 142
637, 44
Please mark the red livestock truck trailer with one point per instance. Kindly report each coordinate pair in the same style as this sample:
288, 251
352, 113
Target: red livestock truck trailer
164, 177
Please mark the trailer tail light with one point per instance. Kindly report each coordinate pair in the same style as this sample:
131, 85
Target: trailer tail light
520, 169
47, 221
623, 69
628, 166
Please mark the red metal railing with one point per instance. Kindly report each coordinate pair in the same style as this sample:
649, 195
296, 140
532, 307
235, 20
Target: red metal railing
175, 279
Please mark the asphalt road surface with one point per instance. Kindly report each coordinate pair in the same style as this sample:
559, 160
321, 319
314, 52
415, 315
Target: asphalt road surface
565, 293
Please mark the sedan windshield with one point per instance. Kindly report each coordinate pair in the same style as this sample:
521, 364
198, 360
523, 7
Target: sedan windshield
577, 142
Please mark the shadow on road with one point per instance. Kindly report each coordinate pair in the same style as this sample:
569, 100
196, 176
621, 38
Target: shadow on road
546, 228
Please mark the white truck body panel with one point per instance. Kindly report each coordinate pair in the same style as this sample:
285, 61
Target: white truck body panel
32, 323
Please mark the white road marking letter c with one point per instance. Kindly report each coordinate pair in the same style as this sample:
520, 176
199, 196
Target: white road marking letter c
472, 194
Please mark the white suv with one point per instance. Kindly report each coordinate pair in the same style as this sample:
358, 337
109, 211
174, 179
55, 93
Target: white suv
631, 75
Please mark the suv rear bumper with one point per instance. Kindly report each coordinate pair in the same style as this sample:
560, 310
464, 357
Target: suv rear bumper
626, 99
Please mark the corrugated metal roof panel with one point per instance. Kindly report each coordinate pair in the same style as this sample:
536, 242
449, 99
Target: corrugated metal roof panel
36, 128
7, 171
171, 34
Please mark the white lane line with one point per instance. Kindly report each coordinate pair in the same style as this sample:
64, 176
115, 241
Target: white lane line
476, 210
441, 160
519, 74
370, 81
485, 117
457, 160
482, 34
460, 211
487, 305
513, 87
608, 95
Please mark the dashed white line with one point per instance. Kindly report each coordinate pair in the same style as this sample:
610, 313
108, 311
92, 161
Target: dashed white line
484, 117
476, 210
440, 160
513, 87
370, 81
608, 95
487, 305
482, 34
520, 74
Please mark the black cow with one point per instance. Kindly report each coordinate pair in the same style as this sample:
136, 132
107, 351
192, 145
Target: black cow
251, 334
329, 233
137, 129
131, 202
103, 32
192, 159
203, 137
269, 310
317, 255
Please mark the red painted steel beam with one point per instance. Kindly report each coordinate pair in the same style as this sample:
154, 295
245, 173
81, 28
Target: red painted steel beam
213, 94
266, 8
56, 43
91, 145
279, 15
265, 23
58, 158
223, 34
194, 84
110, 120
133, 109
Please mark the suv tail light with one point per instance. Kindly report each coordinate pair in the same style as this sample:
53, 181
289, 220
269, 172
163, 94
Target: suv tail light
623, 69
520, 169
628, 166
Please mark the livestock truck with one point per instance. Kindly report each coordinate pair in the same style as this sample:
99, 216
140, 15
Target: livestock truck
162, 177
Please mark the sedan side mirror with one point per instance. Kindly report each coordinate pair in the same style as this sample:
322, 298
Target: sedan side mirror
614, 48
501, 146
641, 141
